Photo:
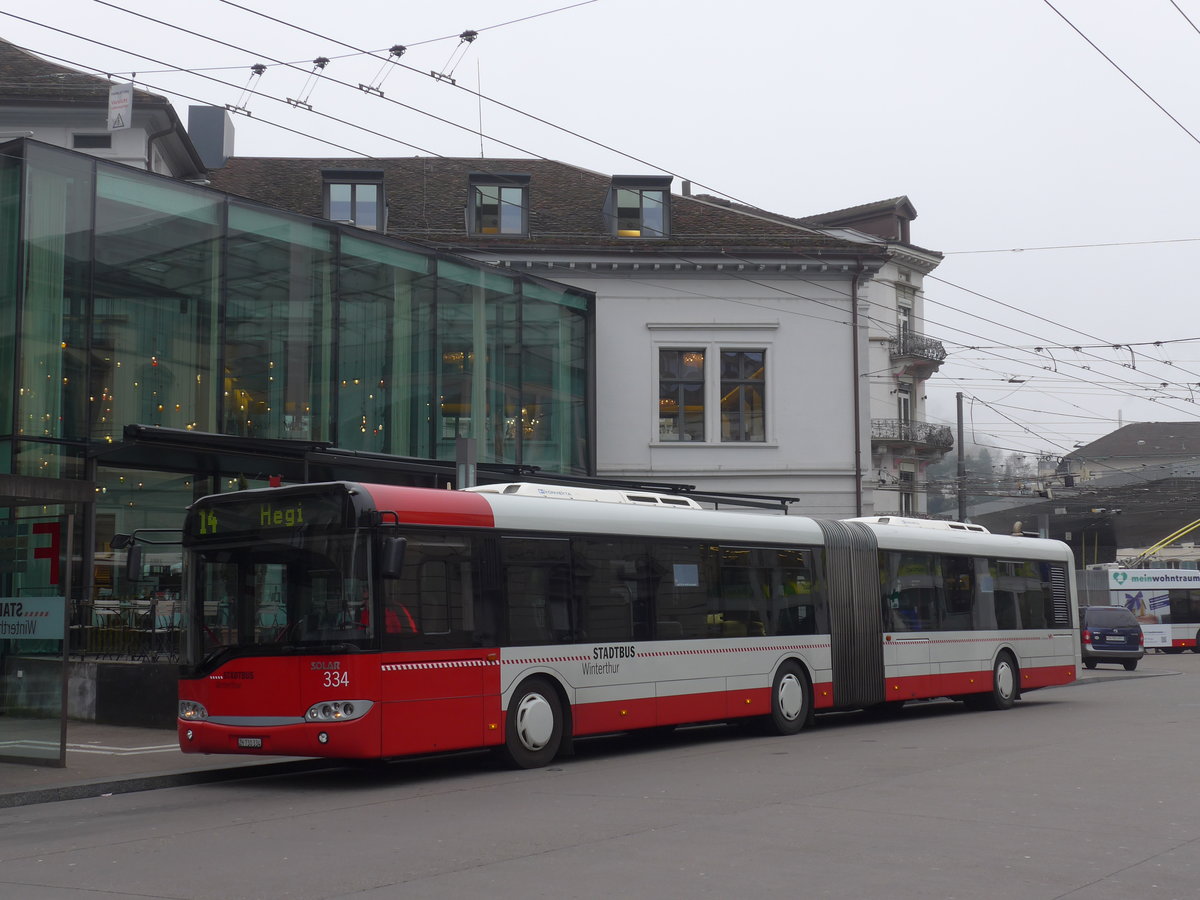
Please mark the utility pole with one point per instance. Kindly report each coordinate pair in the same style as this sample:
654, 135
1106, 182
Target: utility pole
962, 464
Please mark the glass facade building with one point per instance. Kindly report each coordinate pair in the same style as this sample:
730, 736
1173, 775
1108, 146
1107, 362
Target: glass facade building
129, 298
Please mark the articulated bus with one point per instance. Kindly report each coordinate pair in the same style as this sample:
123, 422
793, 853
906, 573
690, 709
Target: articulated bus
1165, 601
368, 621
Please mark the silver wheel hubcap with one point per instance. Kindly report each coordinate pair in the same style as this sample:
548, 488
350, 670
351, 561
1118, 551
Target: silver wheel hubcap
535, 721
1004, 680
790, 698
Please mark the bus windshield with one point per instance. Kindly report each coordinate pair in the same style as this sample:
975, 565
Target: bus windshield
307, 593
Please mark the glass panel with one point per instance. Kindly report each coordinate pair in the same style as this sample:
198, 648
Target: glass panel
654, 218
512, 209
767, 591
487, 202
33, 620
341, 198
629, 213
434, 601
51, 382
681, 395
155, 320
686, 591
615, 588
43, 458
120, 609
553, 418
480, 368
911, 584
540, 605
277, 357
743, 406
10, 233
366, 206
385, 337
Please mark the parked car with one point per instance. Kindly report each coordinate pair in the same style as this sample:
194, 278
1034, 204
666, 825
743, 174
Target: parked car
1110, 634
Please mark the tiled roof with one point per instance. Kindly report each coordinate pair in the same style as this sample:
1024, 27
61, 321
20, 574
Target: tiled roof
27, 78
1144, 439
427, 200
900, 206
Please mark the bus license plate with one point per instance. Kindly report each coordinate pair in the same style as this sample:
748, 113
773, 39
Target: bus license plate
250, 743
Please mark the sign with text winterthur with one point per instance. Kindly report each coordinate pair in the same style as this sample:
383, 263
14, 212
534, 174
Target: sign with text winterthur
32, 618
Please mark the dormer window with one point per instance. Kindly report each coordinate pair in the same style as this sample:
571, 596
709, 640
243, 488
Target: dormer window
640, 206
355, 197
498, 204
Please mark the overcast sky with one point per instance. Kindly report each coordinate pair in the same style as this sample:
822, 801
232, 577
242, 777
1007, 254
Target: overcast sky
1016, 140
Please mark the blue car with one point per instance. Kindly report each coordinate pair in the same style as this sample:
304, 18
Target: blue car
1110, 634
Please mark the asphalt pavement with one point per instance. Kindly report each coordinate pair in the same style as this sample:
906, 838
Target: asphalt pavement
113, 759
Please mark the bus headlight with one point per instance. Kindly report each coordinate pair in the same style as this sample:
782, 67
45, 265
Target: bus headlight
338, 710
191, 710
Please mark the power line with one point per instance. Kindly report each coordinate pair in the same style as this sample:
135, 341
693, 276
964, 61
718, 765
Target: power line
1128, 77
788, 225
1072, 246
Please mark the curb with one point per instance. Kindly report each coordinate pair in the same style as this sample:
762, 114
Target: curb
134, 783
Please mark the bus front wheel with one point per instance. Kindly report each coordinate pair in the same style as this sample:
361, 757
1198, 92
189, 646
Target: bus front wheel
791, 699
533, 728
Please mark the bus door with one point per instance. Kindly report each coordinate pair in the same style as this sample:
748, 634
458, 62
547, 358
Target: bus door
435, 677
910, 620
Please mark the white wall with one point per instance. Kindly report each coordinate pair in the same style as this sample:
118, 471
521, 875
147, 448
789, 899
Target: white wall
804, 325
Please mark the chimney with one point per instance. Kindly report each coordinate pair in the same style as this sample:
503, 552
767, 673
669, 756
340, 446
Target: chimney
211, 131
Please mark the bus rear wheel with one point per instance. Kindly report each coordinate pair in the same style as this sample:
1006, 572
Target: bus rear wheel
1006, 685
791, 699
533, 728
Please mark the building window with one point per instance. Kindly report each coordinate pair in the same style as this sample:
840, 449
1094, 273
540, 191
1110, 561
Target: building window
91, 141
743, 395
681, 395
904, 402
908, 487
498, 204
355, 197
735, 387
641, 207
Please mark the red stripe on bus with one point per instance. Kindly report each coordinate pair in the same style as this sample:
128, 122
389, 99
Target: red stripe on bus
426, 506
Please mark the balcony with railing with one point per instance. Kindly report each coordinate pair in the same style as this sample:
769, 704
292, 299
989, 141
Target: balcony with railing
922, 438
916, 354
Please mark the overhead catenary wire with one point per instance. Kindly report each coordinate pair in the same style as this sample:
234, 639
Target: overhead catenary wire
292, 25
718, 192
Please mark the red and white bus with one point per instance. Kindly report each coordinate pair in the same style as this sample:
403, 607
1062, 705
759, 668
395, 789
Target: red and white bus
368, 621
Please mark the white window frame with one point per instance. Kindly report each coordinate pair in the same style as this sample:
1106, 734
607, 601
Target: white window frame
712, 349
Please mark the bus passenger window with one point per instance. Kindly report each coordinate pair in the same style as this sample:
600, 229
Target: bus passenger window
432, 603
537, 579
911, 589
682, 601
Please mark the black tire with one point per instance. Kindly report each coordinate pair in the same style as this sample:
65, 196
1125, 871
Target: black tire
1089, 664
533, 727
1006, 685
791, 699
1130, 664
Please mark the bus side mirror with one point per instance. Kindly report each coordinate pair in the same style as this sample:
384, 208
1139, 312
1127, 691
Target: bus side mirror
391, 556
133, 562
